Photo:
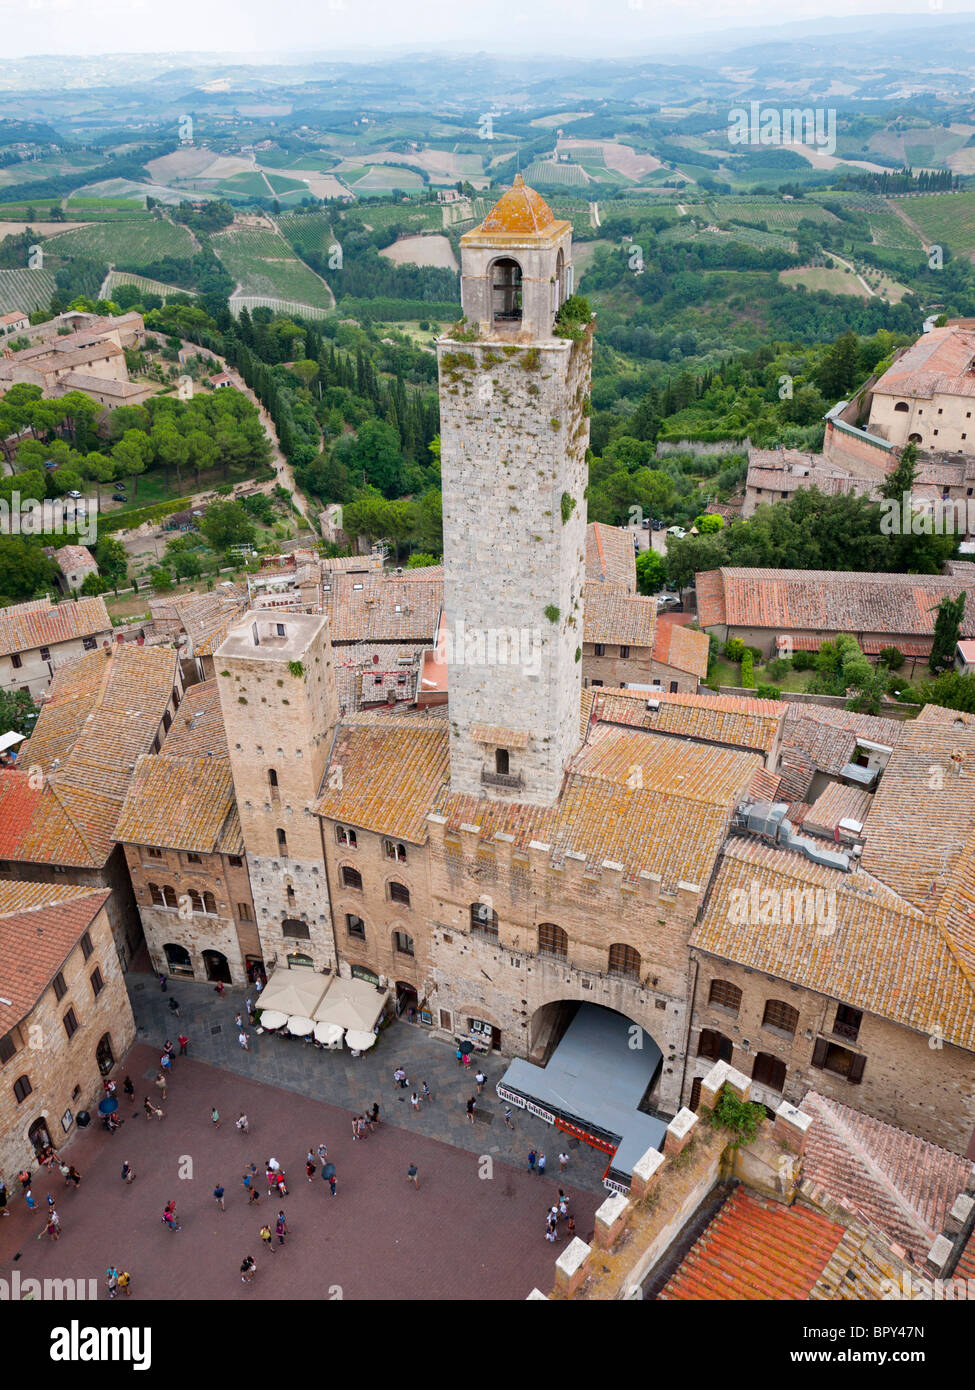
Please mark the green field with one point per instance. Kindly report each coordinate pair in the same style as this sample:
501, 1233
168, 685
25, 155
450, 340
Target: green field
565, 175
125, 277
263, 264
136, 242
311, 231
945, 218
247, 185
773, 212
383, 178
283, 185
25, 290
888, 229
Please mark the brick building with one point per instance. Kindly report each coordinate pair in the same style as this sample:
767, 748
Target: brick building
37, 638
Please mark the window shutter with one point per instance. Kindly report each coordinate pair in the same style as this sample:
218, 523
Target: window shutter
819, 1052
856, 1068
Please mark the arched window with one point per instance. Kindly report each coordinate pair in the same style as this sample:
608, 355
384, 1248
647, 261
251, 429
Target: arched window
196, 902
351, 878
345, 836
559, 278
501, 761
552, 941
780, 1015
902, 405
394, 850
399, 893
402, 943
178, 960
768, 1071
914, 439
714, 1045
484, 919
624, 960
294, 926
22, 1088
155, 893
209, 903
506, 291
169, 896
297, 961
725, 995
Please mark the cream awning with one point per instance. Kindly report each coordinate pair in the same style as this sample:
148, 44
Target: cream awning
351, 1004
293, 992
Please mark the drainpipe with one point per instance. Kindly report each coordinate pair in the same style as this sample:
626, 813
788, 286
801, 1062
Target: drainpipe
687, 1038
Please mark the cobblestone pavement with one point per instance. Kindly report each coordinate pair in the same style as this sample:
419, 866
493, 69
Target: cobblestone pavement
353, 1083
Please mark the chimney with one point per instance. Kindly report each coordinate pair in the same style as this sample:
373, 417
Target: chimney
436, 826
470, 838
503, 844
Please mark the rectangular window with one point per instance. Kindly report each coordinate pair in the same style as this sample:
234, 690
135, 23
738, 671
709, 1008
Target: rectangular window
89, 643
60, 988
97, 983
402, 943
355, 926
86, 946
16, 660
600, 649
154, 853
70, 1023
236, 862
7, 1048
45, 653
243, 912
624, 652
193, 859
847, 1022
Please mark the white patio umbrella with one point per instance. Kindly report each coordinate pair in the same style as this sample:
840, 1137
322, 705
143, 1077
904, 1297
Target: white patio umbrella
299, 1026
329, 1033
272, 1019
360, 1041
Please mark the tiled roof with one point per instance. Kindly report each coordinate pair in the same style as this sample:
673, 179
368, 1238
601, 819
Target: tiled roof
939, 361
520, 209
678, 645
383, 607
756, 1250
100, 385
618, 617
764, 786
38, 931
181, 803
102, 712
384, 775
821, 738
24, 628
738, 722
496, 736
828, 601
198, 728
610, 558
881, 956
73, 557
898, 1182
923, 814
838, 802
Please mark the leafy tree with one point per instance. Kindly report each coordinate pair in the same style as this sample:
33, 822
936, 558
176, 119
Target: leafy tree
376, 453
25, 570
651, 571
709, 522
112, 560
947, 630
17, 712
421, 559
226, 524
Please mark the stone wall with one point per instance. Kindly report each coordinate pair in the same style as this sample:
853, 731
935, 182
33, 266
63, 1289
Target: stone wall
612, 669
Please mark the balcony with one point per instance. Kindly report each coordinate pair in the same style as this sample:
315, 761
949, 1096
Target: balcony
850, 1031
513, 780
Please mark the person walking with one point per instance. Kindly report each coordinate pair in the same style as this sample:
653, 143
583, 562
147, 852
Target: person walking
111, 1279
375, 1112
244, 1041
29, 1199
166, 1062
184, 1043
570, 1228
218, 1197
540, 1166
532, 1159
550, 1227
4, 1209
250, 1188
174, 1007
412, 1175
238, 1022
129, 1088
355, 1128
267, 1237
480, 1078
426, 1092
169, 1217
563, 1203
124, 1282
128, 1175
507, 1117
310, 1167
471, 1107
73, 1176
215, 1117
247, 1270
460, 1057
467, 1060
241, 1123
274, 1165
415, 1101
322, 1152
162, 983
152, 1111
331, 1184
169, 1051
160, 1084
249, 1006
24, 1178
563, 1162
281, 1227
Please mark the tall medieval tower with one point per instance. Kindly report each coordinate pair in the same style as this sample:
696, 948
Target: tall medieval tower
280, 709
514, 408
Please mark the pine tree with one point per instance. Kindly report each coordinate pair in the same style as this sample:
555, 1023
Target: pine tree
947, 629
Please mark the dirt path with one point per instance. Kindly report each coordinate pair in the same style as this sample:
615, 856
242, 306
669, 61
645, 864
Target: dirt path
594, 216
895, 207
853, 271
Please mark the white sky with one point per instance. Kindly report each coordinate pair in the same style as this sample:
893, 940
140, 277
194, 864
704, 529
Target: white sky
258, 28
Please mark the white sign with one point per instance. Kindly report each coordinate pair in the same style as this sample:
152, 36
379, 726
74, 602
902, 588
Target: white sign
545, 1115
510, 1096
615, 1186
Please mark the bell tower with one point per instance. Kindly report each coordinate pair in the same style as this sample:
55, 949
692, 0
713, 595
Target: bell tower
514, 408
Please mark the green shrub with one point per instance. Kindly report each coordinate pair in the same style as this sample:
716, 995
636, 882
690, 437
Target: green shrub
734, 649
803, 661
552, 613
768, 692
777, 668
568, 506
892, 658
747, 669
742, 1117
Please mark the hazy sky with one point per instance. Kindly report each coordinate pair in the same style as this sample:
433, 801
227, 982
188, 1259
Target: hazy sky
261, 27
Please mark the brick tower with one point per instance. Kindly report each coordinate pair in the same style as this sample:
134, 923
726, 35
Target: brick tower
280, 708
514, 407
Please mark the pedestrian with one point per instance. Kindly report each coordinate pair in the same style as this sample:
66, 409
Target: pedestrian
169, 1217
247, 1270
174, 1007
125, 1283
273, 1164
111, 1279
401, 1079
73, 1176
375, 1112
250, 1188
363, 1133
415, 1101
219, 989
563, 1162
4, 1209
166, 1062
281, 1227
563, 1203
540, 1167
109, 1085
238, 1022
53, 1227
480, 1078
218, 1197
150, 1110
50, 1202
161, 1084
460, 1057
271, 1181
507, 1116
241, 1123
127, 1173
471, 1107
554, 1214
129, 1088
244, 1041
162, 983
215, 1117
267, 1237
310, 1169
570, 1229
282, 1189
323, 1152
331, 1184
249, 1006
169, 1050
467, 1060
367, 1122
184, 1043
532, 1159
23, 1178
258, 985
550, 1228
426, 1092
411, 1175
29, 1198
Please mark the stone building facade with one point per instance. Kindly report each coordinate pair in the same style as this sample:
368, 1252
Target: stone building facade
65, 1018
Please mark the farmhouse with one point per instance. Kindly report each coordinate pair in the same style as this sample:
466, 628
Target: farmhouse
37, 638
75, 562
13, 323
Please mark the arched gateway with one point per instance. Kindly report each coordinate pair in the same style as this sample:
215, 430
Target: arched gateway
591, 1075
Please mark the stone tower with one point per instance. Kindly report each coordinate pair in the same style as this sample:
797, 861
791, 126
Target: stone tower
514, 408
280, 708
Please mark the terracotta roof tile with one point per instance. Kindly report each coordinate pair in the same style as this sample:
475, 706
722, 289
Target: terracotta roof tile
384, 775
610, 558
619, 617
38, 931
26, 627
678, 645
739, 722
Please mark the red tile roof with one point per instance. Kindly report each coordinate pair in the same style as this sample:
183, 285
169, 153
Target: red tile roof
26, 627
35, 943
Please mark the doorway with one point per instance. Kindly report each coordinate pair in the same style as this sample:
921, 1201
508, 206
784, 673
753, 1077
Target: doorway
104, 1055
407, 1001
217, 966
38, 1135
178, 960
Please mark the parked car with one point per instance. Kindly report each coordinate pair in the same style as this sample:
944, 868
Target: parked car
119, 497
73, 493
646, 523
668, 600
658, 525
677, 532
50, 465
